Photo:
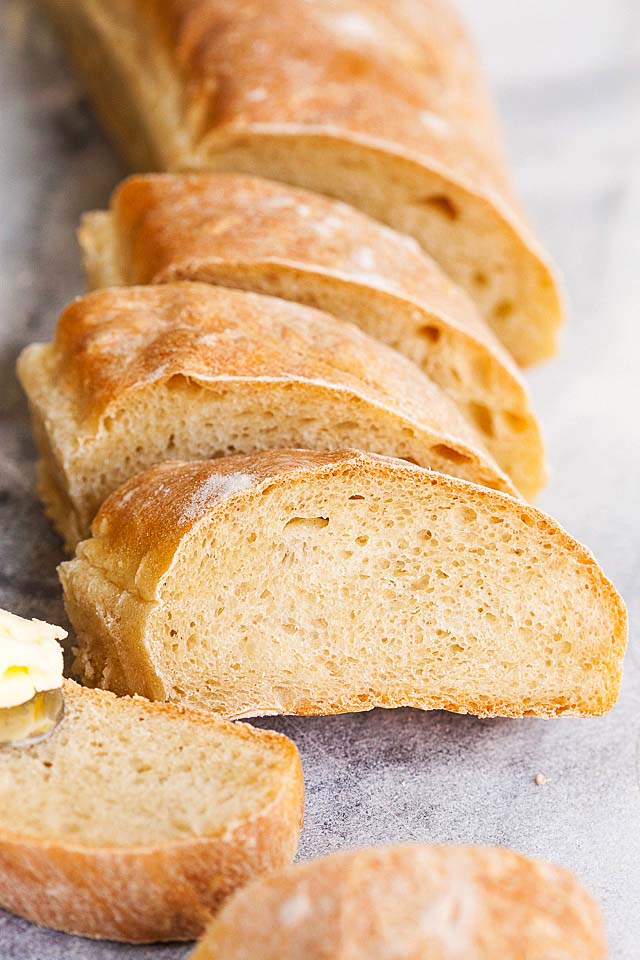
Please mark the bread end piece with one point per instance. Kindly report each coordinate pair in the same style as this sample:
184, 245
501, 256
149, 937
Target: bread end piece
443, 903
124, 830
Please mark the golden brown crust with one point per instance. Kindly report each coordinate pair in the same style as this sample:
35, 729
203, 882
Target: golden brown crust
159, 891
415, 901
116, 340
169, 226
366, 70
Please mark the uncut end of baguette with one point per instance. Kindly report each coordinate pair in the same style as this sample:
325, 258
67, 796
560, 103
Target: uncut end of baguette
142, 817
341, 587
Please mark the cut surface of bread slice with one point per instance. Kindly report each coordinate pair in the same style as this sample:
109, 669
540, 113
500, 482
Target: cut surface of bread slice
418, 902
136, 375
381, 105
135, 820
310, 583
271, 238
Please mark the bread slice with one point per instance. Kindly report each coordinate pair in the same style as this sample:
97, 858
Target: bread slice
316, 583
271, 238
427, 903
382, 105
142, 374
134, 820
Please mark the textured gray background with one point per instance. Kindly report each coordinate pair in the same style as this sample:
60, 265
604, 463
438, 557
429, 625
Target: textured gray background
567, 76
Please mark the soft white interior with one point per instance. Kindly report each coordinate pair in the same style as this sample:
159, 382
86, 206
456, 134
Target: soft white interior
360, 593
124, 773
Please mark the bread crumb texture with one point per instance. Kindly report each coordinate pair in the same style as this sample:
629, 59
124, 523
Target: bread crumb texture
338, 582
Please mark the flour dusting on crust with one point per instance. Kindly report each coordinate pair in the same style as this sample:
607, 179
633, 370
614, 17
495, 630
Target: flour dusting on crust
212, 490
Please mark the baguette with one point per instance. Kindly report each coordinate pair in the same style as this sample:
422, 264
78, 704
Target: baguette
383, 106
134, 820
410, 903
142, 374
271, 238
315, 583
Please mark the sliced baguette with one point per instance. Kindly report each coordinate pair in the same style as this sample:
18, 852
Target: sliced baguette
136, 375
271, 238
134, 821
381, 105
410, 903
310, 583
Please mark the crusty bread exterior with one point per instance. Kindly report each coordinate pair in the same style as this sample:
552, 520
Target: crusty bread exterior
109, 829
382, 106
418, 902
310, 583
136, 375
271, 238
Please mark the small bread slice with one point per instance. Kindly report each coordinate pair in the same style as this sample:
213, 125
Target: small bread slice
316, 583
268, 237
135, 820
136, 375
382, 105
418, 902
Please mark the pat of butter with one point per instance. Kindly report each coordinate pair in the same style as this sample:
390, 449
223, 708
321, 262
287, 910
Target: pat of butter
30, 658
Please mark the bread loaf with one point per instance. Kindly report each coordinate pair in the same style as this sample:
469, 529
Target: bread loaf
410, 903
382, 105
316, 583
271, 238
142, 374
134, 820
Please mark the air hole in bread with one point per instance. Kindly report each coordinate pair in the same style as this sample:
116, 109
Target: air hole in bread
515, 421
176, 382
482, 417
503, 309
442, 204
449, 453
356, 496
480, 279
430, 333
310, 522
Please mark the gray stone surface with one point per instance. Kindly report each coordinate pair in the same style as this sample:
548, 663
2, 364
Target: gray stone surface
567, 77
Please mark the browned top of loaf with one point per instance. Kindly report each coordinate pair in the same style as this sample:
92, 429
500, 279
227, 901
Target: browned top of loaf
117, 340
138, 528
171, 226
400, 75
410, 901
